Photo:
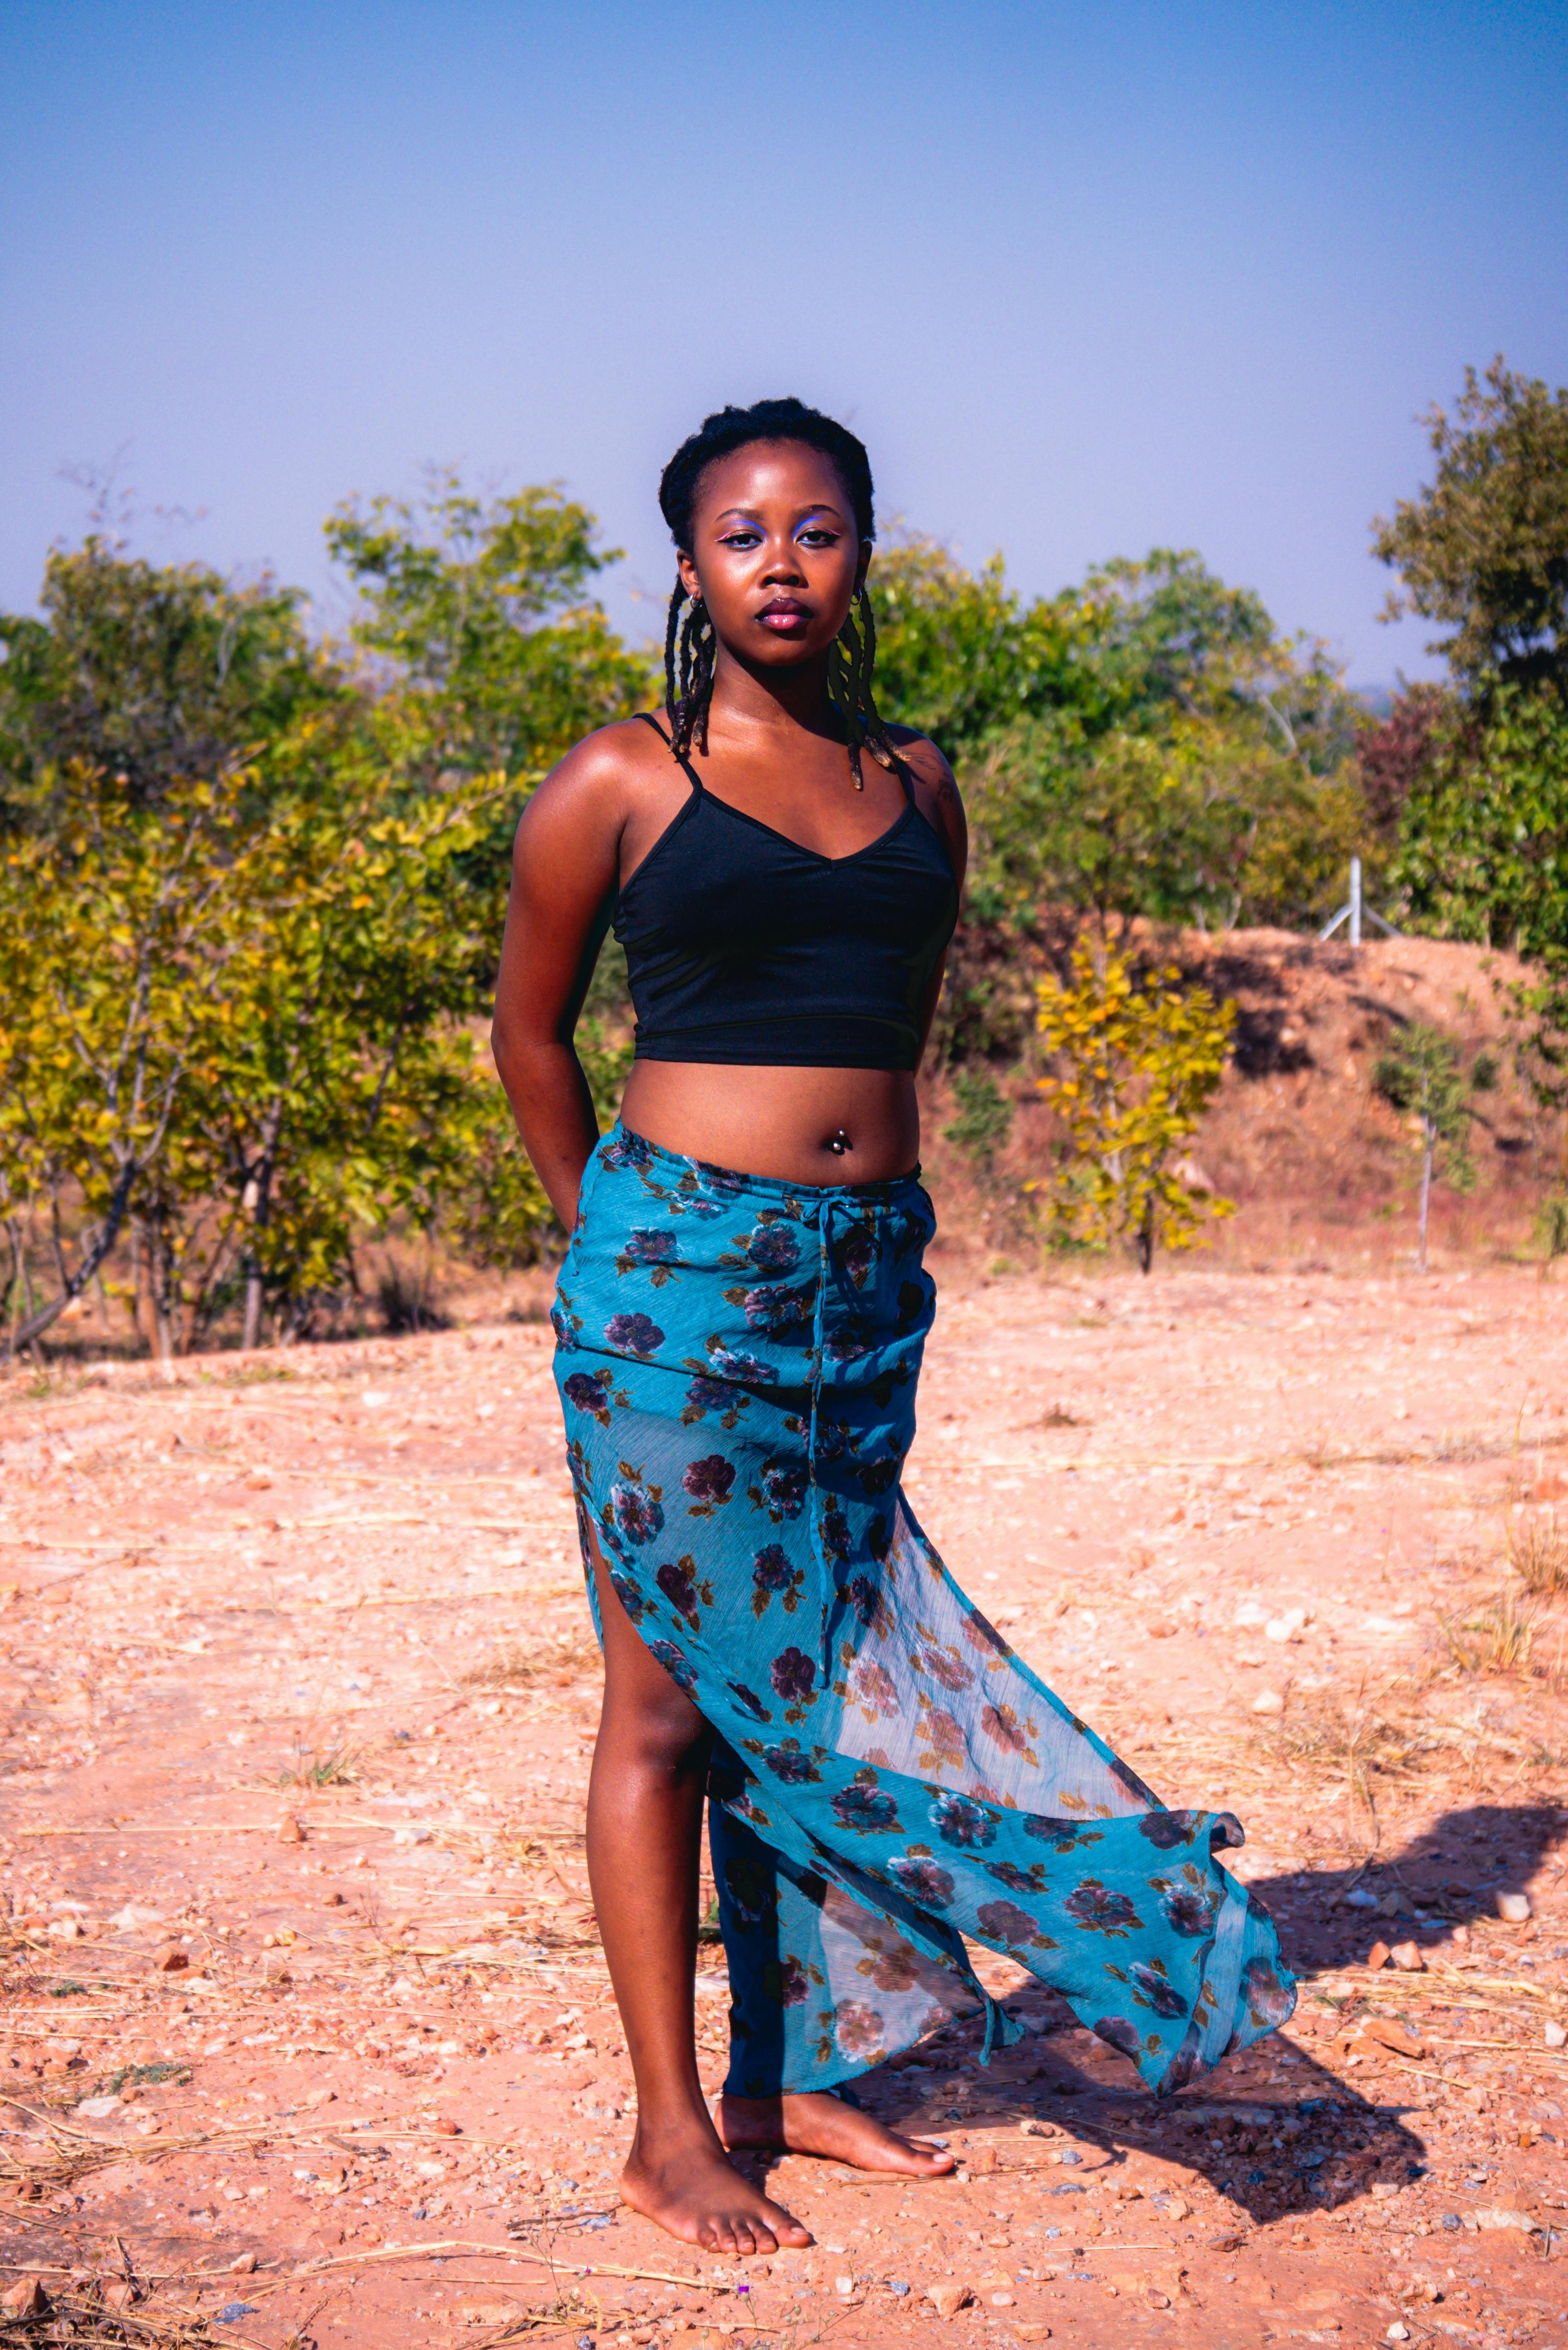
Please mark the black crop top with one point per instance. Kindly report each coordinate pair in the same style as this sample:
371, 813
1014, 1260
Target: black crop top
742, 946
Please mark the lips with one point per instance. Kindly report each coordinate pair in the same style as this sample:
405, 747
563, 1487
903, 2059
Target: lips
784, 615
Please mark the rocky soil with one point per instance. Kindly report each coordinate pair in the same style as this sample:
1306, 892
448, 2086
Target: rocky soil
307, 2035
1322, 1172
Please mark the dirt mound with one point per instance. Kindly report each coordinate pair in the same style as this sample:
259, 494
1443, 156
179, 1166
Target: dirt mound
1322, 1170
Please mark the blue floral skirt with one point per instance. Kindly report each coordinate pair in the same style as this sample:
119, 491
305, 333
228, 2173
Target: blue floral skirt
737, 1360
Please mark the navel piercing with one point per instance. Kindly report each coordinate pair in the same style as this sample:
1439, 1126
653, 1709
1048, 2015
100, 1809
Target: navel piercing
840, 1143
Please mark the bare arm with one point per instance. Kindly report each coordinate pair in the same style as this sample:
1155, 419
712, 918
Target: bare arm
940, 802
565, 864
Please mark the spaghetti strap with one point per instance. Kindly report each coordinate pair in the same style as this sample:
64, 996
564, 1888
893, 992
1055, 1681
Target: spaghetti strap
693, 777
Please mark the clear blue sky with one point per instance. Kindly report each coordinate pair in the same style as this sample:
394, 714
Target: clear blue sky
1087, 278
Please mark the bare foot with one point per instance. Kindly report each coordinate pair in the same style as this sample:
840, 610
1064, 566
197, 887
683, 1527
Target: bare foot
814, 2123
688, 2189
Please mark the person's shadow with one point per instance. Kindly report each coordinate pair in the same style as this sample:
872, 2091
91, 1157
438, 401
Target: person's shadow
1276, 2128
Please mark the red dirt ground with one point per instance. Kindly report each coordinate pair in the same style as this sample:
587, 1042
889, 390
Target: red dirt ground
381, 2101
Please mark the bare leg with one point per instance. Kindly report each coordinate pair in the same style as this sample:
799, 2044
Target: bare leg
645, 1822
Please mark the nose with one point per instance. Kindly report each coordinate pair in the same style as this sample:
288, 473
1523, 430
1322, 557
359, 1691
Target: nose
784, 567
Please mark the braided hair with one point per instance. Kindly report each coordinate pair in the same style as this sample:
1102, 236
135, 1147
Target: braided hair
690, 645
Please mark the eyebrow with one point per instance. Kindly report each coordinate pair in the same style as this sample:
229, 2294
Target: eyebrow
753, 513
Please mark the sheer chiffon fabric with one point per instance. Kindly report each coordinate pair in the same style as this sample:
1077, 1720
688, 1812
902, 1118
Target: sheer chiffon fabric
737, 1360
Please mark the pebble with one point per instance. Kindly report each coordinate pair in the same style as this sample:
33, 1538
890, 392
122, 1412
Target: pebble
1513, 1908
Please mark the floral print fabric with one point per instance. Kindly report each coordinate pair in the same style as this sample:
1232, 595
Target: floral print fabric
737, 1361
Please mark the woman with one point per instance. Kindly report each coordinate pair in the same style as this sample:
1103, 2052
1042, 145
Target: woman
737, 1356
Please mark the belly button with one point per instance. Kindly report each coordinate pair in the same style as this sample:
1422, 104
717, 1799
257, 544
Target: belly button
840, 1142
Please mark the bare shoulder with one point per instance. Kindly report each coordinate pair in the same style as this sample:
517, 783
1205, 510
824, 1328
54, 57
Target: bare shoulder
935, 788
589, 791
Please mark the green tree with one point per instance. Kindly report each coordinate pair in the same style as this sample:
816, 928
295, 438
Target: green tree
486, 654
244, 1028
152, 674
1484, 850
1421, 1074
984, 1119
1136, 1068
962, 658
1144, 744
1483, 547
499, 657
110, 931
1168, 633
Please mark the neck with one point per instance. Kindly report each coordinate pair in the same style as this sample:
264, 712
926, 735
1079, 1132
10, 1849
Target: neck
763, 699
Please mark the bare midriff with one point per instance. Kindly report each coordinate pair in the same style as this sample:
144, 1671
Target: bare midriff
795, 1126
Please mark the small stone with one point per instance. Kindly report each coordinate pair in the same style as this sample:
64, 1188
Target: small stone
290, 1830
1555, 2034
1513, 1908
1268, 1701
1502, 2219
1396, 2037
170, 1959
244, 2266
844, 2286
1002, 2301
444, 2127
1397, 2333
1378, 1955
1036, 2129
946, 2300
97, 2109
1409, 1958
983, 2162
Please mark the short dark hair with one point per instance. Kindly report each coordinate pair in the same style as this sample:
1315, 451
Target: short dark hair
729, 429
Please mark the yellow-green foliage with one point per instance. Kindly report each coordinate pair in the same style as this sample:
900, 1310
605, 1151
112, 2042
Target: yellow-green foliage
1136, 1067
242, 1031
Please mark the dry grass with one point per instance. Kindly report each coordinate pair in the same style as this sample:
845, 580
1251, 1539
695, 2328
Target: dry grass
1496, 1638
332, 1767
568, 1659
79, 2312
1538, 1554
1332, 1733
1355, 1741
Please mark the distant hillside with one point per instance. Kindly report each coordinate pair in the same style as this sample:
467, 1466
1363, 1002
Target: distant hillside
1322, 1170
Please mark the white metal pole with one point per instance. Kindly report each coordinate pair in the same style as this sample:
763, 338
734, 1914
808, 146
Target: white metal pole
1356, 901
